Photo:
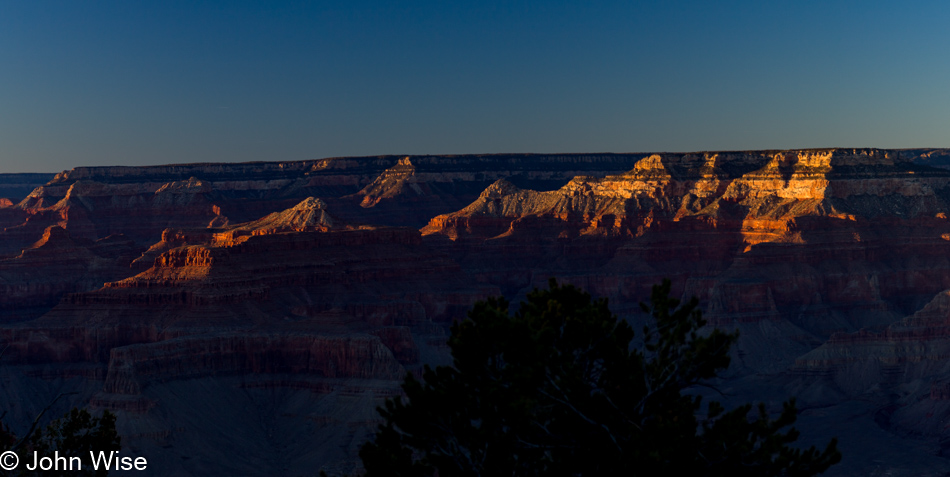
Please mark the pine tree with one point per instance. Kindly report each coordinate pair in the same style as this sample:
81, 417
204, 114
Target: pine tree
557, 389
74, 435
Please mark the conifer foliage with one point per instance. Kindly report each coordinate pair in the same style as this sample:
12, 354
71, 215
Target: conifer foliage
76, 434
558, 389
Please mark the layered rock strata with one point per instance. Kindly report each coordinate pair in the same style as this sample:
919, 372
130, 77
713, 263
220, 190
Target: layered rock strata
18, 186
813, 241
297, 294
93, 202
34, 281
293, 302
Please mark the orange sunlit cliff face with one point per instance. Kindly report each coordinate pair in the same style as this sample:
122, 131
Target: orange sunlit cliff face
197, 300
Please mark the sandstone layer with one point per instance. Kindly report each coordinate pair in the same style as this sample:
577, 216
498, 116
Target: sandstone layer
93, 202
823, 240
295, 302
219, 307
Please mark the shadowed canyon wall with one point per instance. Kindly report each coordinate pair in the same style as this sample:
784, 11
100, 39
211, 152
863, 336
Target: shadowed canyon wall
222, 309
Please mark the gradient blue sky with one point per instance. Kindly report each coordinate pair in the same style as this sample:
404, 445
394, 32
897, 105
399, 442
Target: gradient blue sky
136, 82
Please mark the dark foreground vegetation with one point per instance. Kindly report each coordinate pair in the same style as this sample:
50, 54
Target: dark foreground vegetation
76, 434
558, 389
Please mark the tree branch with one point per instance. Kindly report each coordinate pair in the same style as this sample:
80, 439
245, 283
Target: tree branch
36, 421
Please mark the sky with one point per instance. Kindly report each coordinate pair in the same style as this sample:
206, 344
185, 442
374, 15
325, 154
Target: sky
94, 83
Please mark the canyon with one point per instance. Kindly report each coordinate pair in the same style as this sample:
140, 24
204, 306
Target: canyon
248, 318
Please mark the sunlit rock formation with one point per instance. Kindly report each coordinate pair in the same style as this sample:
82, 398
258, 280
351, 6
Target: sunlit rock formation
229, 308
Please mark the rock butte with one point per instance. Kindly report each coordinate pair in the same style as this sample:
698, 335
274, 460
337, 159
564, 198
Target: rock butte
201, 300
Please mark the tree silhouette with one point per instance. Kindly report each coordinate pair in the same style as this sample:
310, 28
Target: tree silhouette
558, 389
74, 435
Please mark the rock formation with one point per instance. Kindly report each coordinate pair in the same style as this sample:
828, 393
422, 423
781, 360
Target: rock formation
93, 202
33, 281
808, 237
295, 300
204, 301
17, 186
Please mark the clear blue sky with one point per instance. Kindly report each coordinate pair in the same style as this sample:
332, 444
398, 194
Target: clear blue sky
137, 82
